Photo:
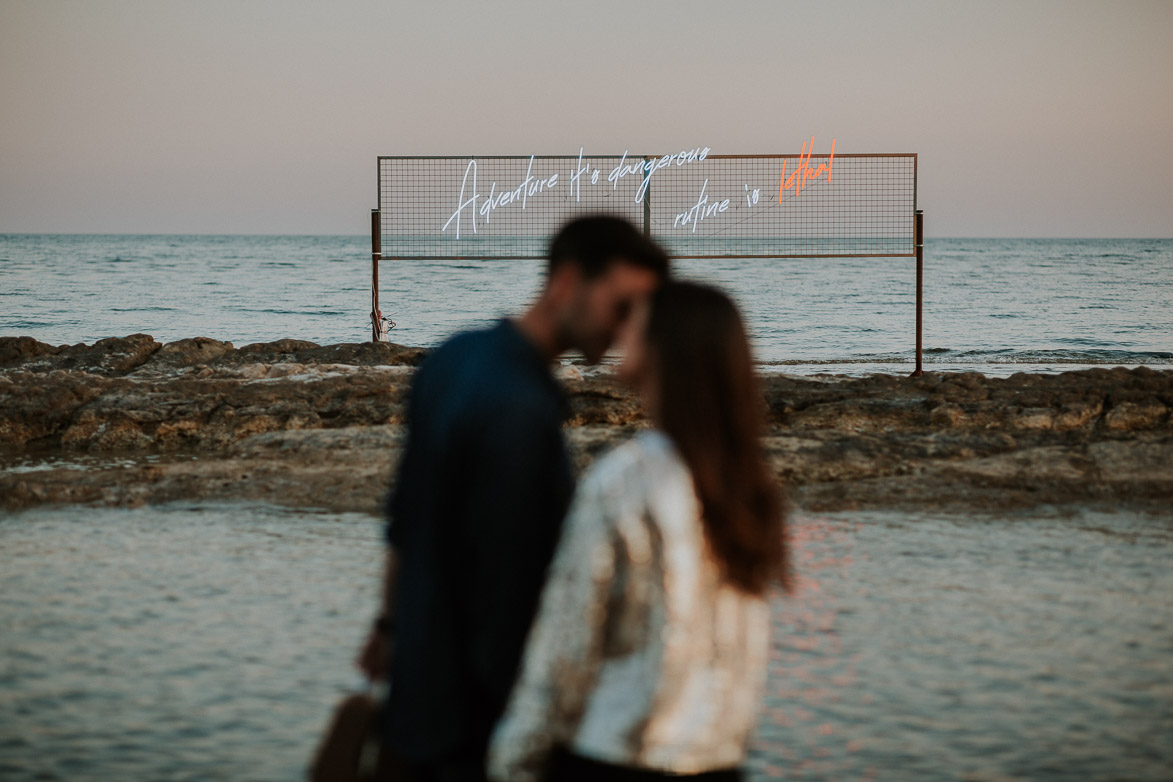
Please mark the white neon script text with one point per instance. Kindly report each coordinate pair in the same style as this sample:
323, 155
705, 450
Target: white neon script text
576, 174
651, 165
476, 204
700, 210
529, 187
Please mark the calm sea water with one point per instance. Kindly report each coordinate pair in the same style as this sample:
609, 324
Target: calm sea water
992, 305
211, 642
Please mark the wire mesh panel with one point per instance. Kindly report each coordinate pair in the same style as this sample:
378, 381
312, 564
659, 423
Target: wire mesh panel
696, 204
786, 205
493, 207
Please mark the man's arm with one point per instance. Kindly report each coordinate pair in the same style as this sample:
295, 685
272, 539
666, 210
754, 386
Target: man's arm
565, 648
374, 658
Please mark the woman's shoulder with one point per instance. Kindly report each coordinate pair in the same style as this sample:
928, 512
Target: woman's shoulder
649, 447
634, 470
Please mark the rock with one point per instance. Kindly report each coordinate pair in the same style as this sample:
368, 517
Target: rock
1129, 462
1130, 416
364, 354
188, 352
602, 400
947, 415
1074, 415
254, 371
285, 370
304, 424
278, 347
35, 409
14, 350
112, 357
1036, 418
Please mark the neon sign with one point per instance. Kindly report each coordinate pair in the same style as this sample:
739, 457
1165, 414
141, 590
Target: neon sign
474, 207
803, 171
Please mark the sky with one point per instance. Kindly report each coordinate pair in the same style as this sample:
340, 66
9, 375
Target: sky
1030, 118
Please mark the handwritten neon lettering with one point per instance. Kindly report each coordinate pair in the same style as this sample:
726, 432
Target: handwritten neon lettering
529, 187
473, 207
472, 201
700, 210
803, 171
621, 171
651, 166
579, 170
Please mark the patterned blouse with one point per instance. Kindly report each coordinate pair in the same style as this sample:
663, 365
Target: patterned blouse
641, 654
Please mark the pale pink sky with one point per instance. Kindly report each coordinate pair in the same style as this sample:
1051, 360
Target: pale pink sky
1031, 118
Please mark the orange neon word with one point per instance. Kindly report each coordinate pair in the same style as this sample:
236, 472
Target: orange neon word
803, 170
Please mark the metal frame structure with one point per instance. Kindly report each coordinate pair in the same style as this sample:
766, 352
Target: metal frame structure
871, 192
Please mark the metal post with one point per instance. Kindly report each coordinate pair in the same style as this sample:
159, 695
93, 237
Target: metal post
919, 245
647, 199
378, 330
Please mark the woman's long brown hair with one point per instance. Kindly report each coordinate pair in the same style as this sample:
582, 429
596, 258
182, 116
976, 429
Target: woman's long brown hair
711, 407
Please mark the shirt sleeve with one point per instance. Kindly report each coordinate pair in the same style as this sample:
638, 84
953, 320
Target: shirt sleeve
565, 646
403, 495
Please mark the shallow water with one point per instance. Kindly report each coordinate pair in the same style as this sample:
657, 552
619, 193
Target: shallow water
1033, 647
199, 642
992, 305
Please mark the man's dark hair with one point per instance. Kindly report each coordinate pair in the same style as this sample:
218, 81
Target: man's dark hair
595, 242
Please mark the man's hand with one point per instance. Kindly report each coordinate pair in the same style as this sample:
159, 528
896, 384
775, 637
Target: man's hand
375, 656
374, 659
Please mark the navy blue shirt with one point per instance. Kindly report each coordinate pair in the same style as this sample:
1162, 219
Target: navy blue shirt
474, 518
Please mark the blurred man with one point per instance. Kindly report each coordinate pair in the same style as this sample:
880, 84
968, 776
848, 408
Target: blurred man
477, 506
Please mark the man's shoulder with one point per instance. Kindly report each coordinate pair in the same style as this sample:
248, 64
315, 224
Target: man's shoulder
460, 346
455, 364
488, 374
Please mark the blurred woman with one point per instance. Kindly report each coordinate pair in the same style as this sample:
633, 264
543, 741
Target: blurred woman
648, 654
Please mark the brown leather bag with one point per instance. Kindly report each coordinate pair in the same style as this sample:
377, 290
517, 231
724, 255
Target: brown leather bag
350, 750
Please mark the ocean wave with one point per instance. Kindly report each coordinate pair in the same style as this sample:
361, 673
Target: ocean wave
1002, 356
26, 324
305, 313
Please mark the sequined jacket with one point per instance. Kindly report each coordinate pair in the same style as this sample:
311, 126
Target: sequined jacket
641, 654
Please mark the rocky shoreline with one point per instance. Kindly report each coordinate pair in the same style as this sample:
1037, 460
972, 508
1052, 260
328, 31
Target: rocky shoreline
130, 421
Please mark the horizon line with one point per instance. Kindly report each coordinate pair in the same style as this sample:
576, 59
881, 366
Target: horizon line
367, 235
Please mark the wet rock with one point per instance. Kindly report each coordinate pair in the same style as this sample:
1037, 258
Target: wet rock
14, 350
274, 351
35, 408
298, 423
80, 411
187, 352
601, 400
1036, 418
1073, 415
1127, 462
285, 370
364, 354
1130, 416
113, 356
947, 415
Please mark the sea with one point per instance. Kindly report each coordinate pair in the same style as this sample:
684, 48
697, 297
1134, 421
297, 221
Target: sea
200, 641
212, 642
995, 306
